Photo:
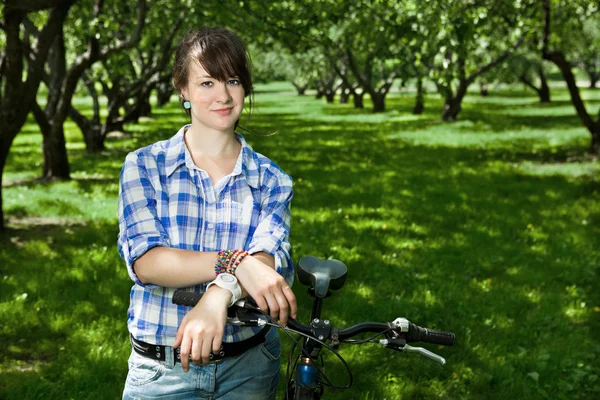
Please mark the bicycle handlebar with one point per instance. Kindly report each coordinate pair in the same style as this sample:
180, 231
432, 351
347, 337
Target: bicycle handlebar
419, 334
184, 298
414, 333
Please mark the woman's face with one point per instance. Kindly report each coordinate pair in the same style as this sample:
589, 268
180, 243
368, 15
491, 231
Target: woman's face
216, 105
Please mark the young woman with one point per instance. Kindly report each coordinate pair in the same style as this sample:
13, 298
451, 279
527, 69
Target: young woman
203, 211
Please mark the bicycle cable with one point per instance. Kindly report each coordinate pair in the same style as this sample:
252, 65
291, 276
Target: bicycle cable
287, 331
367, 340
328, 347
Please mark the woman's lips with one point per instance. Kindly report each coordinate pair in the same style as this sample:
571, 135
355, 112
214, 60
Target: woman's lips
223, 111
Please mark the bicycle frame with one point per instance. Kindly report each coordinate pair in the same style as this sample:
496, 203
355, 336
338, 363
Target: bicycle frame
321, 276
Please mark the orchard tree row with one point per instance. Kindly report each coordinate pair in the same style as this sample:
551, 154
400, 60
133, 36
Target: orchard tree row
119, 52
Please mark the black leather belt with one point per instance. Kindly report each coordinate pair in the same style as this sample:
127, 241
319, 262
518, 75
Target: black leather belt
157, 352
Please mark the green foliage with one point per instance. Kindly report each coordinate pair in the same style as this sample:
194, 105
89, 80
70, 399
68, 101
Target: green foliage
488, 227
572, 24
473, 34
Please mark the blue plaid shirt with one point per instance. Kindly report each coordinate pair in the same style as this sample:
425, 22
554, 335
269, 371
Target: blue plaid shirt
166, 200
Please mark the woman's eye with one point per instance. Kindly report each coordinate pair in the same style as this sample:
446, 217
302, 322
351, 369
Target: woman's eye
206, 84
234, 81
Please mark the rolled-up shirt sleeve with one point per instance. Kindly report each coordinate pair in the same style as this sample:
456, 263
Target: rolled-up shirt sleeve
273, 231
139, 227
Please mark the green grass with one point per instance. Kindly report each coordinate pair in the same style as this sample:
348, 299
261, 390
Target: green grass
488, 227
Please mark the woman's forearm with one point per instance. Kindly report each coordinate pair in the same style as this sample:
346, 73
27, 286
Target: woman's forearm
169, 267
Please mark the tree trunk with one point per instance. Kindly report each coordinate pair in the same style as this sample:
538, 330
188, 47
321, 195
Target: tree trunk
452, 107
544, 92
56, 161
378, 101
593, 127
358, 100
92, 135
163, 94
115, 125
145, 107
4, 149
300, 89
595, 145
91, 129
2, 225
330, 96
420, 101
94, 140
345, 93
453, 101
483, 91
594, 80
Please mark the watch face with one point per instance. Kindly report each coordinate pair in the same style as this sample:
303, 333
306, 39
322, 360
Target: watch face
227, 278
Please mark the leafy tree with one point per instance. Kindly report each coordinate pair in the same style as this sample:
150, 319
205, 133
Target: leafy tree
588, 49
104, 35
127, 78
367, 39
558, 29
527, 67
269, 64
474, 37
22, 65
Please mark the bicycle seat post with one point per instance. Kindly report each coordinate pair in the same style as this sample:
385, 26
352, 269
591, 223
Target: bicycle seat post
316, 307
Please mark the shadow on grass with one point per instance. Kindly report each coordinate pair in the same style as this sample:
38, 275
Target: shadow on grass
449, 238
457, 238
64, 296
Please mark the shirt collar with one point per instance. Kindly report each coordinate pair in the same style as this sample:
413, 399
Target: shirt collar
247, 163
177, 154
175, 151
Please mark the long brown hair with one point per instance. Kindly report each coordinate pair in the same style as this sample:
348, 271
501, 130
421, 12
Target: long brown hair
220, 52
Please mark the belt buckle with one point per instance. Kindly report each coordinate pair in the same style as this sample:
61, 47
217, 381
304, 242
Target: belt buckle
212, 359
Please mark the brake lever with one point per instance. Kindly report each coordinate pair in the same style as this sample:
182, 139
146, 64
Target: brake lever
401, 345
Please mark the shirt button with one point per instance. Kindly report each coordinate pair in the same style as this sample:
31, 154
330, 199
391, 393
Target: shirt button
211, 226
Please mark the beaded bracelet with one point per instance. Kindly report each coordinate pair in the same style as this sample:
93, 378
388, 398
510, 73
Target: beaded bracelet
239, 257
229, 260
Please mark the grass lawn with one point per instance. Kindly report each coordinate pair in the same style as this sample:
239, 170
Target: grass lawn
488, 227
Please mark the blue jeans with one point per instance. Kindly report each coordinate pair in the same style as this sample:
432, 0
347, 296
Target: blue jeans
251, 375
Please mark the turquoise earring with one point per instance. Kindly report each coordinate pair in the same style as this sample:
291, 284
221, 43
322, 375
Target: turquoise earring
187, 105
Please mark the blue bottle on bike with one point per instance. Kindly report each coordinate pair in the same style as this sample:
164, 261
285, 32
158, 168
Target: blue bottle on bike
306, 373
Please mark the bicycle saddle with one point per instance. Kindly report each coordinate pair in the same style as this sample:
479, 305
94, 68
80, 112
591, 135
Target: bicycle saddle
322, 275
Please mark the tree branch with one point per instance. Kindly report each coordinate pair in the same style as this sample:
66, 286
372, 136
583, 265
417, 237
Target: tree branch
42, 44
354, 69
546, 37
500, 59
41, 119
13, 76
28, 6
561, 62
528, 83
134, 39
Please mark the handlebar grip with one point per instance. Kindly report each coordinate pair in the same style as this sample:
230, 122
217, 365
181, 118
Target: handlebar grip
420, 334
185, 298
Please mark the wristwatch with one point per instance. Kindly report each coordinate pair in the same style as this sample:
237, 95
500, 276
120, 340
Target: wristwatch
229, 282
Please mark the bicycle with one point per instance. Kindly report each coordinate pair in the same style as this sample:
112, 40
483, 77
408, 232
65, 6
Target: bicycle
322, 276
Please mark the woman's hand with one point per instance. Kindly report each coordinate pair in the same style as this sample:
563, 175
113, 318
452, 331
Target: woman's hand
201, 330
267, 288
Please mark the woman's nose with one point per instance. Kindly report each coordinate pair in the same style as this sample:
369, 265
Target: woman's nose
223, 96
